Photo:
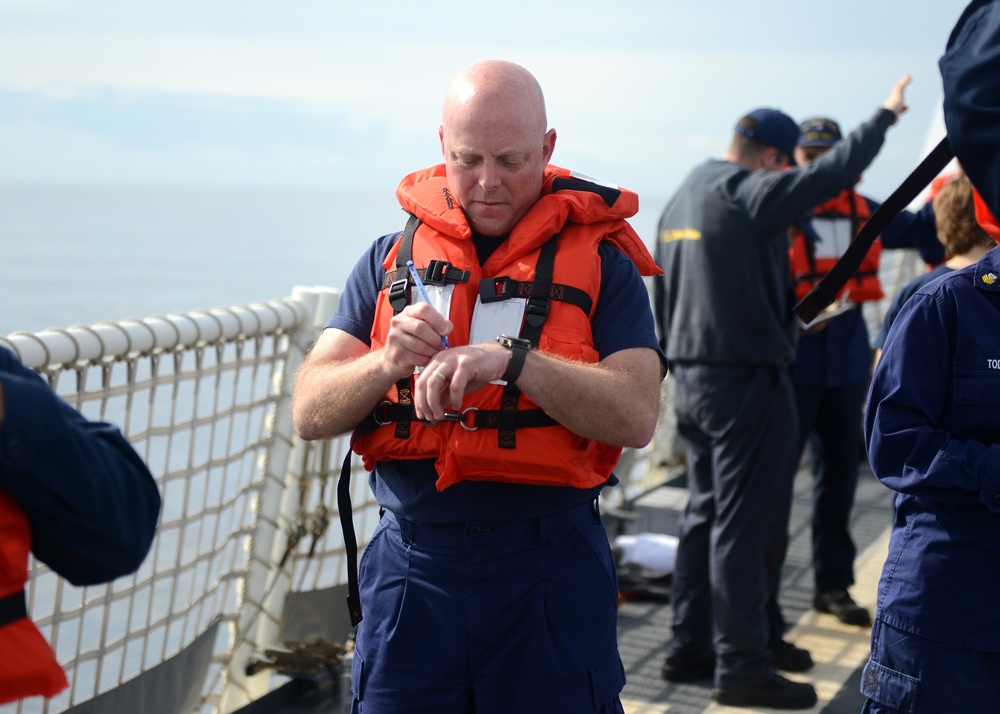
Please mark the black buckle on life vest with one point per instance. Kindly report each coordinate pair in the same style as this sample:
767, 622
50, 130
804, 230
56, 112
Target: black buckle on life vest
441, 272
498, 288
537, 310
399, 294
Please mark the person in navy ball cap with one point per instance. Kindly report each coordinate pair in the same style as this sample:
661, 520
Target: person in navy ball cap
724, 311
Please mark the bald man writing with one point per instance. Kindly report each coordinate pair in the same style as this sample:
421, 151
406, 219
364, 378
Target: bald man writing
488, 585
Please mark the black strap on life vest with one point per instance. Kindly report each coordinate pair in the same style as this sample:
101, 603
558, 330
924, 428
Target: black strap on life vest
503, 288
346, 512
536, 311
399, 298
13, 607
471, 419
824, 293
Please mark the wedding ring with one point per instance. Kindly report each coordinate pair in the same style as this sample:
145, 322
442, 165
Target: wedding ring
443, 377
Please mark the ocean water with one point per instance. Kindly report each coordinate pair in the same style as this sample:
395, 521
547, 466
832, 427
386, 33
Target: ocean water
83, 254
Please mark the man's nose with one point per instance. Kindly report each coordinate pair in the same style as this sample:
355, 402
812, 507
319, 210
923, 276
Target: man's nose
490, 177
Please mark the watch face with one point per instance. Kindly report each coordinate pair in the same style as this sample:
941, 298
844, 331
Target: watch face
508, 341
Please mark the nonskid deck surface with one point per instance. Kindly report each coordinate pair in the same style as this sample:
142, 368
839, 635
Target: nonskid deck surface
839, 650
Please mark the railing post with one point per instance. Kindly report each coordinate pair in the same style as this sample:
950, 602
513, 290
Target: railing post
266, 586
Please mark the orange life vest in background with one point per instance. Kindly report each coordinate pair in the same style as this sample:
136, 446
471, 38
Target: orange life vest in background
503, 435
28, 667
835, 223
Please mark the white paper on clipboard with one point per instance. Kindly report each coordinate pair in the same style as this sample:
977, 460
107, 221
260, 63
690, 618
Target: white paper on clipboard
440, 299
492, 319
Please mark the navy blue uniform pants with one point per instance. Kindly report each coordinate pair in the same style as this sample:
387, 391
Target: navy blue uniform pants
740, 427
489, 618
830, 425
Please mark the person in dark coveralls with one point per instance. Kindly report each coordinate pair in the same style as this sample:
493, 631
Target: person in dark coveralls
76, 494
933, 432
725, 310
489, 583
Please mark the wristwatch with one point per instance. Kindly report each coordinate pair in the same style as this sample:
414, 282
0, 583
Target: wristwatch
518, 351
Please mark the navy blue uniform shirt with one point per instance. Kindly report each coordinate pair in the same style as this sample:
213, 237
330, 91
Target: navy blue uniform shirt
933, 432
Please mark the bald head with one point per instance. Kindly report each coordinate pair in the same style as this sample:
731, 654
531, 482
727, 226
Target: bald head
495, 143
487, 85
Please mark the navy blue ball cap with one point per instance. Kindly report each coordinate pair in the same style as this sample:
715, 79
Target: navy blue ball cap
771, 127
819, 131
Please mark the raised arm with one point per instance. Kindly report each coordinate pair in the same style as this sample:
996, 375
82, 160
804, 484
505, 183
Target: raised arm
778, 198
896, 101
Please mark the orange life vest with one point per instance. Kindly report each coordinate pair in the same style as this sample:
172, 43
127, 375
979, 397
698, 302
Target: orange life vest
502, 435
28, 666
836, 223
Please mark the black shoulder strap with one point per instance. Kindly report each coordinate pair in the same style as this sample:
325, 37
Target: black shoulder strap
437, 272
346, 512
398, 280
824, 293
536, 312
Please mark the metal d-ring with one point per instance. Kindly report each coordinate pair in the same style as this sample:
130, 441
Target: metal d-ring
375, 414
462, 420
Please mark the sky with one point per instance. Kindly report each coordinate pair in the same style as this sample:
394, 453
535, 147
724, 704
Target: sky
329, 94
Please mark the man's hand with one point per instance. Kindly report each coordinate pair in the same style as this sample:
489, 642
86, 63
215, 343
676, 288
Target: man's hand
454, 373
896, 101
414, 337
342, 379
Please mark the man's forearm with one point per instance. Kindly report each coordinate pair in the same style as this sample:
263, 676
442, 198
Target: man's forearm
615, 402
333, 397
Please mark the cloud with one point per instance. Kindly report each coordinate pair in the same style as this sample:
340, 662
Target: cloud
124, 138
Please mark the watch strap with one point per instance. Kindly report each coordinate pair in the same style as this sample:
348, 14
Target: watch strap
518, 354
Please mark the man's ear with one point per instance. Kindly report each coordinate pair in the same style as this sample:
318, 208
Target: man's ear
766, 159
775, 159
549, 145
